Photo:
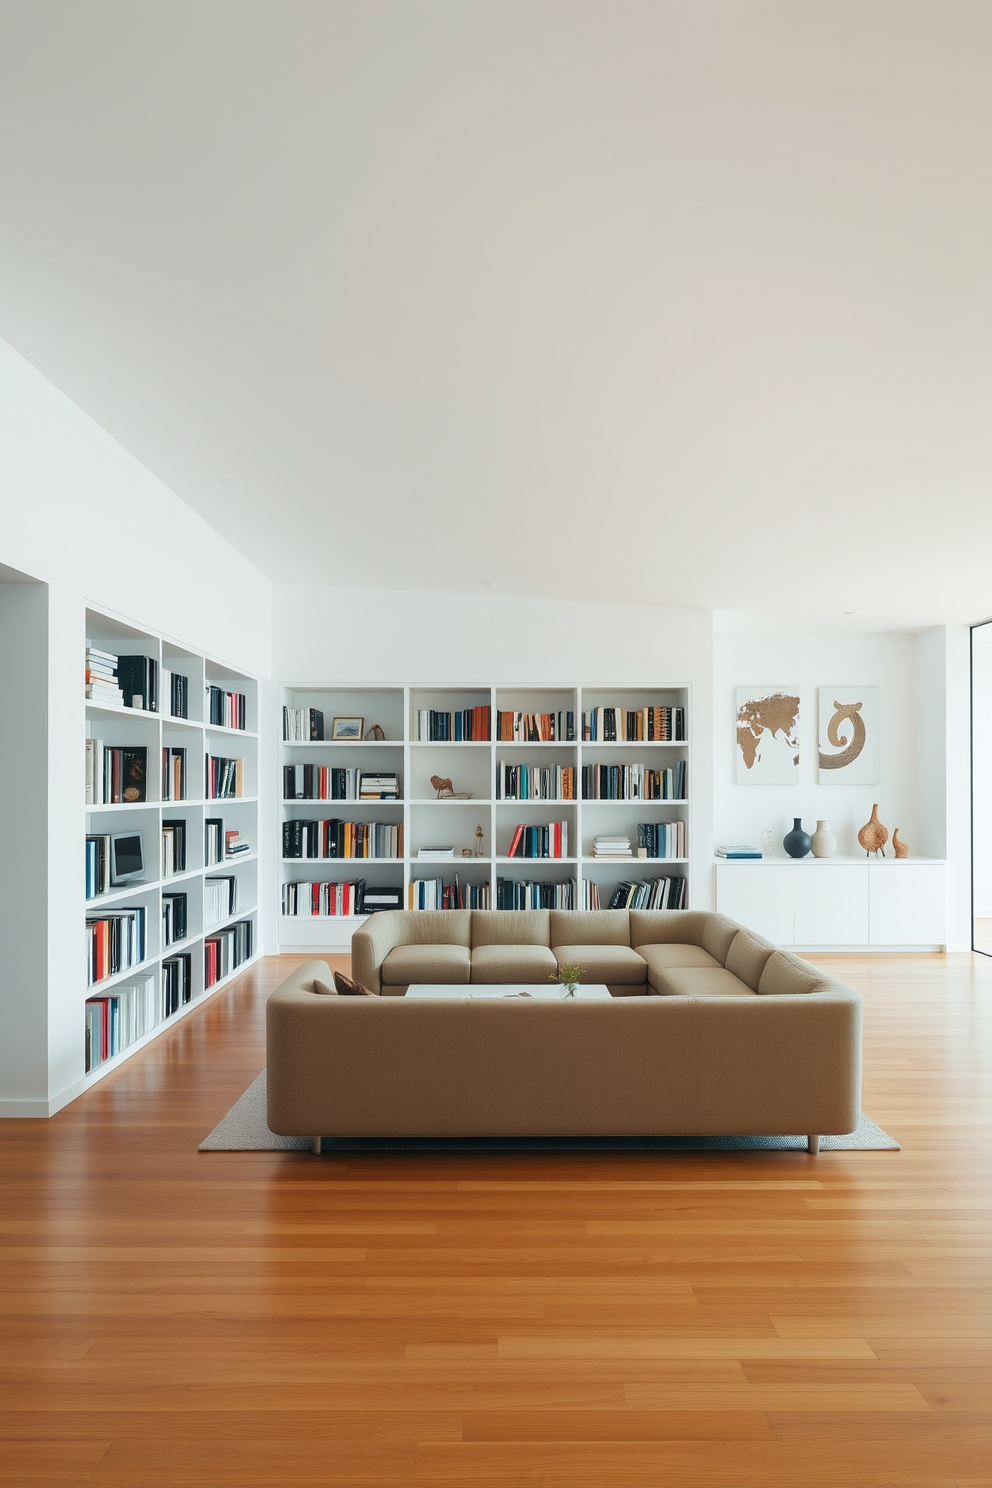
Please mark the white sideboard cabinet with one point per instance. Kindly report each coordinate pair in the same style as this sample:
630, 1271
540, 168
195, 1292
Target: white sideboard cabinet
837, 903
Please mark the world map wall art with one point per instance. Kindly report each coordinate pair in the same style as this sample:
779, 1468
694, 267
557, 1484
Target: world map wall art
767, 735
848, 736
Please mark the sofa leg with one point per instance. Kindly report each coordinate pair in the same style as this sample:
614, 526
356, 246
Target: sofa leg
814, 1144
315, 1145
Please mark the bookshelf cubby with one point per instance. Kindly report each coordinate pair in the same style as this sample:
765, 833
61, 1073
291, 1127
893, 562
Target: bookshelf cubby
155, 730
472, 765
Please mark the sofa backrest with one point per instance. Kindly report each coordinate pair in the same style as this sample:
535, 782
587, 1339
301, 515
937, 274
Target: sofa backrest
425, 926
747, 957
511, 927
590, 927
713, 932
784, 975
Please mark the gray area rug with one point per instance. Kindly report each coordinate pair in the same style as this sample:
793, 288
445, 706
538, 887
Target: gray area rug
243, 1129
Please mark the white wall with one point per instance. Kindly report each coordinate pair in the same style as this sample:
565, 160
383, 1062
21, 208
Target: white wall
79, 511
982, 755
389, 636
944, 772
82, 515
809, 661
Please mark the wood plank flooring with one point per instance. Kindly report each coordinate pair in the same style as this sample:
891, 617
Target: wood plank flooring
549, 1321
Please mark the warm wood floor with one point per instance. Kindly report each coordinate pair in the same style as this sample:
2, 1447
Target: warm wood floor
578, 1320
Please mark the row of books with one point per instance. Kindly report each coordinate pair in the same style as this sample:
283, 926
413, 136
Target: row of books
175, 690
114, 942
220, 898
302, 725
466, 725
633, 783
173, 848
214, 839
97, 864
101, 678
175, 925
173, 774
534, 782
536, 728
434, 893
226, 709
342, 839
663, 839
177, 982
119, 1018
650, 893
338, 783
225, 778
353, 897
114, 774
226, 951
525, 894
659, 725
132, 681
550, 841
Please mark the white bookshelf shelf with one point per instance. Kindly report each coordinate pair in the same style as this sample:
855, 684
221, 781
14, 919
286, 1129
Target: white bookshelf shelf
131, 727
472, 766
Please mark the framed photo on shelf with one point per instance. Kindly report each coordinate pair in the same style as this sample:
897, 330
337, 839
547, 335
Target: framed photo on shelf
347, 728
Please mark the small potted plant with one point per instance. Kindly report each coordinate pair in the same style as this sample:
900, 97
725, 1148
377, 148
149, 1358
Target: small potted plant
567, 976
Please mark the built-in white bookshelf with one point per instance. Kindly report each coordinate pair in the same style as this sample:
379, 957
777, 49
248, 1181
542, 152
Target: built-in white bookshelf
211, 941
478, 766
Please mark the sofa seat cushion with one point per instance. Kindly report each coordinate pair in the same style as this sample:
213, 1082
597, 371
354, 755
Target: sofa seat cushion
665, 957
604, 963
408, 965
700, 981
512, 963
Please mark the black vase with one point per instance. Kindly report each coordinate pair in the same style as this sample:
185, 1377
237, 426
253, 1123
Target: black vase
796, 842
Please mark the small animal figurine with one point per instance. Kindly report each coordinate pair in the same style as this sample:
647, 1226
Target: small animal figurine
873, 836
900, 848
442, 786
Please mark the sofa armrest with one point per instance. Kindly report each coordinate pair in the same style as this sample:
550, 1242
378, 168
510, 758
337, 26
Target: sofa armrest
370, 946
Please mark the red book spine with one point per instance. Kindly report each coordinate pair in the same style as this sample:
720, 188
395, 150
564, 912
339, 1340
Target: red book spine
517, 838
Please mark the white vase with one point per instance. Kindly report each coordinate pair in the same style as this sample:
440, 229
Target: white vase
823, 841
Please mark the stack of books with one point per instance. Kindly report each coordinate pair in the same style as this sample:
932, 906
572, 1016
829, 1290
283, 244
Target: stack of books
435, 854
379, 787
101, 678
234, 844
611, 847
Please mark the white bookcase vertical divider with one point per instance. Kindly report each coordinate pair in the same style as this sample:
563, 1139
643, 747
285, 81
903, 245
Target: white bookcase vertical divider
471, 766
156, 730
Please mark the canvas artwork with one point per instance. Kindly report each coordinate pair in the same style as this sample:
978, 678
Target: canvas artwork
767, 735
848, 736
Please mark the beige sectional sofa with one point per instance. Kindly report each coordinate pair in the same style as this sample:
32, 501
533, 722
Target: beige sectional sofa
710, 1031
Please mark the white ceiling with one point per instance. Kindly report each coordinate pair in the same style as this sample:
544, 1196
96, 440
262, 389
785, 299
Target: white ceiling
682, 302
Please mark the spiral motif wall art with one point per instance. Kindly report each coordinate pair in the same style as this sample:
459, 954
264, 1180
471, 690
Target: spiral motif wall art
848, 736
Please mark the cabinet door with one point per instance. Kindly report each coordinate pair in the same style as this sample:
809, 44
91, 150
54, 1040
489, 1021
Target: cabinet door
831, 905
906, 904
759, 896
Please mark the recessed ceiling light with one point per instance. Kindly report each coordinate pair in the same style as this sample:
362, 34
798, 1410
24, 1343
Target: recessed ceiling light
487, 583
850, 612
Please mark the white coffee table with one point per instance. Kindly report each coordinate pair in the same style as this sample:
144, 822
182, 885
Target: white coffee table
589, 991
